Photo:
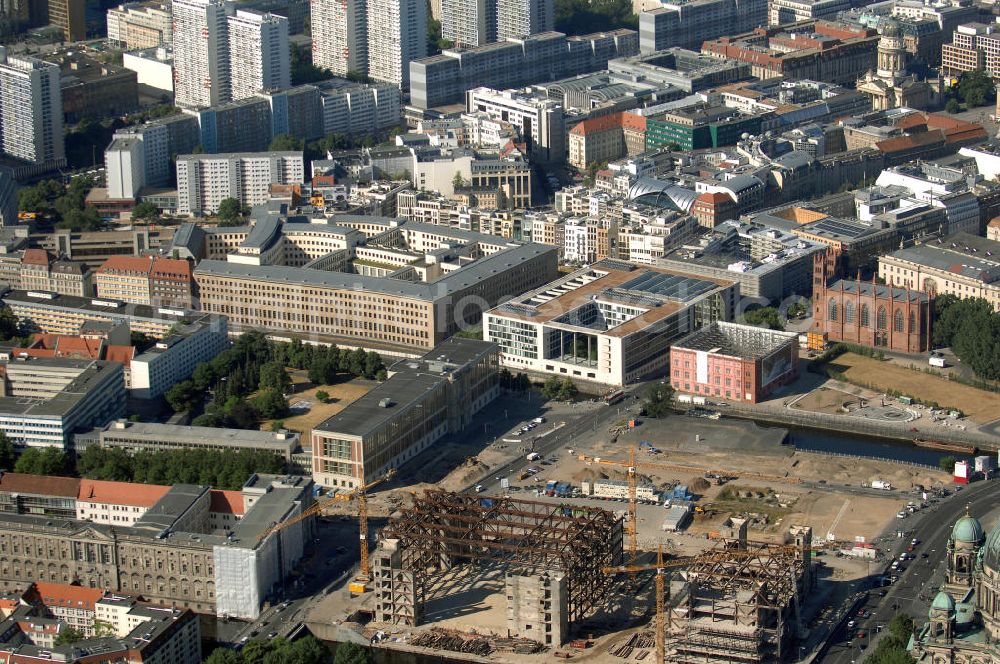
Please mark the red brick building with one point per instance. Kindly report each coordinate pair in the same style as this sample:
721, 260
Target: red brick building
734, 362
870, 314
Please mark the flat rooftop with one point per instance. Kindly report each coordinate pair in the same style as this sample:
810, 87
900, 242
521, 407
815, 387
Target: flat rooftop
201, 435
961, 254
734, 340
92, 374
103, 306
368, 414
661, 292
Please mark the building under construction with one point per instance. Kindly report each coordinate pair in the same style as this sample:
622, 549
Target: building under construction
741, 608
552, 556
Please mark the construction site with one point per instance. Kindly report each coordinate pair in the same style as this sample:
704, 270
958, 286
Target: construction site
516, 573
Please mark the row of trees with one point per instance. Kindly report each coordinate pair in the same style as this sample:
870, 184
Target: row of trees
307, 650
975, 88
564, 389
219, 469
768, 317
972, 329
518, 383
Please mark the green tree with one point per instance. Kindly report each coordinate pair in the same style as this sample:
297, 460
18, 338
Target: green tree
975, 87
952, 106
8, 455
323, 396
285, 143
223, 656
567, 390
901, 627
230, 211
352, 653
9, 326
145, 211
50, 461
551, 387
273, 374
302, 68
657, 402
458, 181
69, 635
271, 404
768, 317
182, 396
947, 463
580, 17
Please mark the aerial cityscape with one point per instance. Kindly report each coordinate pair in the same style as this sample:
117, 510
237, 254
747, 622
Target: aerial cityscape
499, 331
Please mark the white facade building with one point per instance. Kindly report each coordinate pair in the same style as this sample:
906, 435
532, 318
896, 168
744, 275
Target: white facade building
124, 161
201, 52
203, 181
137, 26
258, 53
175, 357
31, 116
152, 66
360, 109
340, 35
397, 34
541, 122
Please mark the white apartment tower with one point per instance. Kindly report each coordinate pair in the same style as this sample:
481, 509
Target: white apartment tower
520, 18
469, 22
258, 53
397, 34
135, 25
204, 181
340, 35
31, 115
201, 53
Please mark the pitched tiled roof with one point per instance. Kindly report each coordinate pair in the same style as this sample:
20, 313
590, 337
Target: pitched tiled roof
63, 595
226, 502
43, 485
35, 257
121, 493
171, 268
598, 124
126, 264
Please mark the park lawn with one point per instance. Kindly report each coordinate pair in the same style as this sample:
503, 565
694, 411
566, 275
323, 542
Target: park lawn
980, 406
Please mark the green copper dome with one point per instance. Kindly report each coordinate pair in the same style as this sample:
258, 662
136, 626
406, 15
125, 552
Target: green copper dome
990, 553
943, 602
968, 529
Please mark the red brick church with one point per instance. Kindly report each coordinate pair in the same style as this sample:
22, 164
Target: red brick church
870, 314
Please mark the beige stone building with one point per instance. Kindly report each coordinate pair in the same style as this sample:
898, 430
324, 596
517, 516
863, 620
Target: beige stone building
962, 265
145, 280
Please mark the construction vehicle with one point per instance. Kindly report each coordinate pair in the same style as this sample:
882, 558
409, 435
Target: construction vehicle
632, 467
661, 567
359, 585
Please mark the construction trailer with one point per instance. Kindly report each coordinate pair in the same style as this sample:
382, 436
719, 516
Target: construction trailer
743, 609
553, 558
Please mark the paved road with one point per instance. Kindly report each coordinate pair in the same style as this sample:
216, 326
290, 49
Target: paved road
931, 527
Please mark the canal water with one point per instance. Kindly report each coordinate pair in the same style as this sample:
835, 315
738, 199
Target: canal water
810, 440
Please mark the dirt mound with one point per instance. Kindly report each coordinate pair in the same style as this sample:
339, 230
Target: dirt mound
698, 485
588, 474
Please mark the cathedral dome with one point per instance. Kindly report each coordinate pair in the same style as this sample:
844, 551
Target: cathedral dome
943, 602
968, 530
991, 551
890, 29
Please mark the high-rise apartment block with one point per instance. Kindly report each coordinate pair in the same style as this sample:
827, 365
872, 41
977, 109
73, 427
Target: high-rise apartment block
31, 117
201, 52
469, 22
520, 18
221, 54
687, 23
444, 79
204, 181
374, 37
342, 26
258, 53
398, 30
135, 25
71, 17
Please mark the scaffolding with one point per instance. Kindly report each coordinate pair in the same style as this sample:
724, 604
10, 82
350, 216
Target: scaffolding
443, 530
744, 608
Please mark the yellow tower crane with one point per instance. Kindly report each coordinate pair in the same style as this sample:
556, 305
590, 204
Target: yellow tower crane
361, 493
632, 466
661, 579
